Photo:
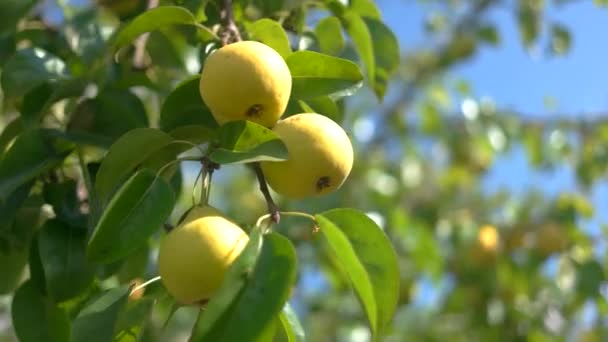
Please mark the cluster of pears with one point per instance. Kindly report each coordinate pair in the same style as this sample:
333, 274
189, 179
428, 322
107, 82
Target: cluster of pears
250, 81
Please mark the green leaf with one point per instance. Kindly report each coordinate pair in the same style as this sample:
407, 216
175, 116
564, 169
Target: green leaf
271, 33
365, 8
291, 325
361, 36
63, 197
488, 34
33, 103
155, 19
8, 209
386, 54
266, 291
32, 154
123, 157
98, 320
131, 321
184, 106
196, 134
36, 318
329, 36
245, 141
589, 278
134, 266
10, 132
28, 218
62, 252
322, 105
108, 116
11, 11
12, 268
368, 259
29, 68
235, 280
136, 212
316, 75
561, 39
529, 21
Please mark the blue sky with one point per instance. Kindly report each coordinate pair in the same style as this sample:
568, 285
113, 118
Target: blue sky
520, 80
517, 79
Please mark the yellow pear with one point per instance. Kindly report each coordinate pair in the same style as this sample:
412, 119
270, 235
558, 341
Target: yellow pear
246, 81
194, 256
488, 238
485, 250
320, 157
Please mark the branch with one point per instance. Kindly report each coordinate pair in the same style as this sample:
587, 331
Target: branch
273, 209
230, 33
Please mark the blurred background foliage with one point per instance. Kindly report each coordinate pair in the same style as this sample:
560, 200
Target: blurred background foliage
476, 265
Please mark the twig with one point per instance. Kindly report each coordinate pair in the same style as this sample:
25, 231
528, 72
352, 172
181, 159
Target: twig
207, 169
273, 209
230, 32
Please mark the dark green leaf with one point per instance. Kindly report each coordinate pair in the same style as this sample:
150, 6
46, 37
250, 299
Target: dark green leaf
267, 289
108, 116
11, 11
36, 318
98, 320
245, 142
329, 36
271, 33
316, 75
137, 210
123, 157
29, 68
152, 20
32, 154
62, 252
184, 106
131, 321
386, 54
291, 325
367, 257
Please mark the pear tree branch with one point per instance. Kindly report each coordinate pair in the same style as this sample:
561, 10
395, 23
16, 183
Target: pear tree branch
273, 209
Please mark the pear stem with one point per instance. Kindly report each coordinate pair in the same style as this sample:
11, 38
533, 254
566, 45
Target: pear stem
273, 209
231, 32
141, 286
287, 213
207, 169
